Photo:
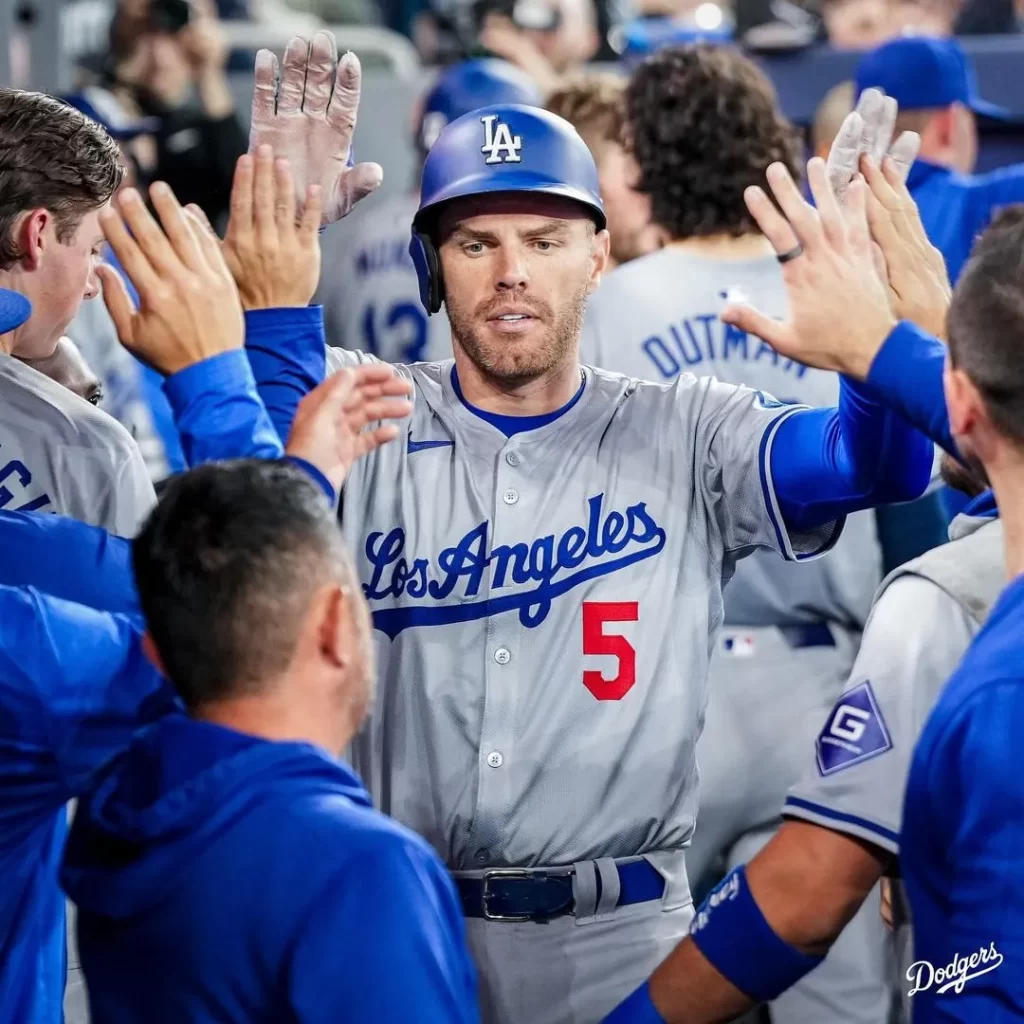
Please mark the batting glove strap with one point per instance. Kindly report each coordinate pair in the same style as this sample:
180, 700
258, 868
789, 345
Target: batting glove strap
637, 1009
732, 933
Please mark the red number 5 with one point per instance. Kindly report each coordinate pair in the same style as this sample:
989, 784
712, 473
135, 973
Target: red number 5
596, 641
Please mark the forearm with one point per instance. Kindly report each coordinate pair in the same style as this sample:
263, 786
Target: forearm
287, 353
907, 375
827, 463
219, 412
752, 941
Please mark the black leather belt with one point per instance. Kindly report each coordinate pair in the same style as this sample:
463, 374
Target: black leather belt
518, 894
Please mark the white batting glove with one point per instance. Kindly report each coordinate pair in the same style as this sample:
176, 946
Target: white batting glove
868, 131
307, 114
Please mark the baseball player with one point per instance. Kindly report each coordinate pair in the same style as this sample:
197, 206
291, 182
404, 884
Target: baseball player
790, 631
57, 452
544, 551
368, 287
750, 941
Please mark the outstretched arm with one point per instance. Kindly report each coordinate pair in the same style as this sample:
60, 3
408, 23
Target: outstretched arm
761, 930
842, 315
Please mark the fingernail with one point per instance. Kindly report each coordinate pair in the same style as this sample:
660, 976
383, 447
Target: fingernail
160, 188
752, 192
130, 195
265, 152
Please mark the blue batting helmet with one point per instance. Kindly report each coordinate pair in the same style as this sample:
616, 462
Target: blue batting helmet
468, 85
504, 148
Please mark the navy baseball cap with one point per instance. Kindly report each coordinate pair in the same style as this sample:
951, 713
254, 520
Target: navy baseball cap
922, 73
15, 309
103, 107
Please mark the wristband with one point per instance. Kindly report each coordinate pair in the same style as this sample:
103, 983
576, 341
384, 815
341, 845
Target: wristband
315, 475
733, 935
637, 1009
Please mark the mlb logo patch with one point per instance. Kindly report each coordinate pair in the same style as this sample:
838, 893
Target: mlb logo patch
854, 732
738, 645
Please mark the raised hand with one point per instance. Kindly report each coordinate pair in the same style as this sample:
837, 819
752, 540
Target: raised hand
919, 288
839, 311
188, 304
867, 131
334, 424
307, 115
274, 260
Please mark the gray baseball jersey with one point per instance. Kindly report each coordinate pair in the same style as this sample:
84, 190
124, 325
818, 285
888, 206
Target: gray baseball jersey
59, 454
544, 606
369, 289
916, 635
657, 317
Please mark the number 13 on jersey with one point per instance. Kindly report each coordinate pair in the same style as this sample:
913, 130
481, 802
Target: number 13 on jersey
599, 640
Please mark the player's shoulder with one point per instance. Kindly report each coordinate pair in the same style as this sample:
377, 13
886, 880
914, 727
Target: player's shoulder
32, 403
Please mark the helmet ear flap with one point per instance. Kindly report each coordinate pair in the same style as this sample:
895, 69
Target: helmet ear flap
428, 269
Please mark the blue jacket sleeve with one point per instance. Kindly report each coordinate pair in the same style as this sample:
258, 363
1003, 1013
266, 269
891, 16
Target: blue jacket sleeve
287, 350
386, 942
219, 413
67, 559
826, 463
75, 685
907, 376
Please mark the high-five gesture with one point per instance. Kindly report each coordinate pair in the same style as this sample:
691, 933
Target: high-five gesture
338, 422
188, 304
839, 312
274, 258
867, 131
919, 288
307, 115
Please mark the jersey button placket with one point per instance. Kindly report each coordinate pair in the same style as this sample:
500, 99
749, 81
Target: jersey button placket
494, 796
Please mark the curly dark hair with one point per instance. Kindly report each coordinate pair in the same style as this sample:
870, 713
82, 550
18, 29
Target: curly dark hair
703, 123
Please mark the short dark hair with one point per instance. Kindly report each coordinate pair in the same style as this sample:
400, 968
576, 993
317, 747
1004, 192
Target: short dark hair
225, 567
985, 327
51, 156
703, 123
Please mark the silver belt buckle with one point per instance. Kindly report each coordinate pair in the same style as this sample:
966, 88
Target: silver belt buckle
486, 894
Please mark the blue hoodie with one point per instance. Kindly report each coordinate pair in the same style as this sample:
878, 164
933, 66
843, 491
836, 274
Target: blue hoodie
223, 877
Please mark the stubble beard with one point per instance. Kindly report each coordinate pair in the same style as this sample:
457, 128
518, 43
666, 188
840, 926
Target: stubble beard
516, 364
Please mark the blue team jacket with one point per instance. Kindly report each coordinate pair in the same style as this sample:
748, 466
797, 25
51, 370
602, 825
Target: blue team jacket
74, 685
962, 837
956, 208
222, 877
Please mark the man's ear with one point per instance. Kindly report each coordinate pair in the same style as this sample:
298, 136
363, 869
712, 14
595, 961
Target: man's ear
31, 236
599, 259
334, 626
963, 401
150, 651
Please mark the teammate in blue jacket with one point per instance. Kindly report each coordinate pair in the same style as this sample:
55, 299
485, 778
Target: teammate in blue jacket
228, 867
934, 85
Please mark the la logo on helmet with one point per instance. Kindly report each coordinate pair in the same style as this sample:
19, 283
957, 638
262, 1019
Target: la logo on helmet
500, 145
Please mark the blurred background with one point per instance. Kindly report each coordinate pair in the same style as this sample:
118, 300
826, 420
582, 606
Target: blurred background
187, 63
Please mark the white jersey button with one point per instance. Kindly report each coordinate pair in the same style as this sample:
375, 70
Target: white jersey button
512, 458
502, 655
494, 759
510, 497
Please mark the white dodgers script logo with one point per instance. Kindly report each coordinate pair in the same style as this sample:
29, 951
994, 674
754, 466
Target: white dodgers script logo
500, 140
955, 974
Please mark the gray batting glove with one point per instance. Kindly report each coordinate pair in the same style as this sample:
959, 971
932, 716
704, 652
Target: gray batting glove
867, 131
306, 113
